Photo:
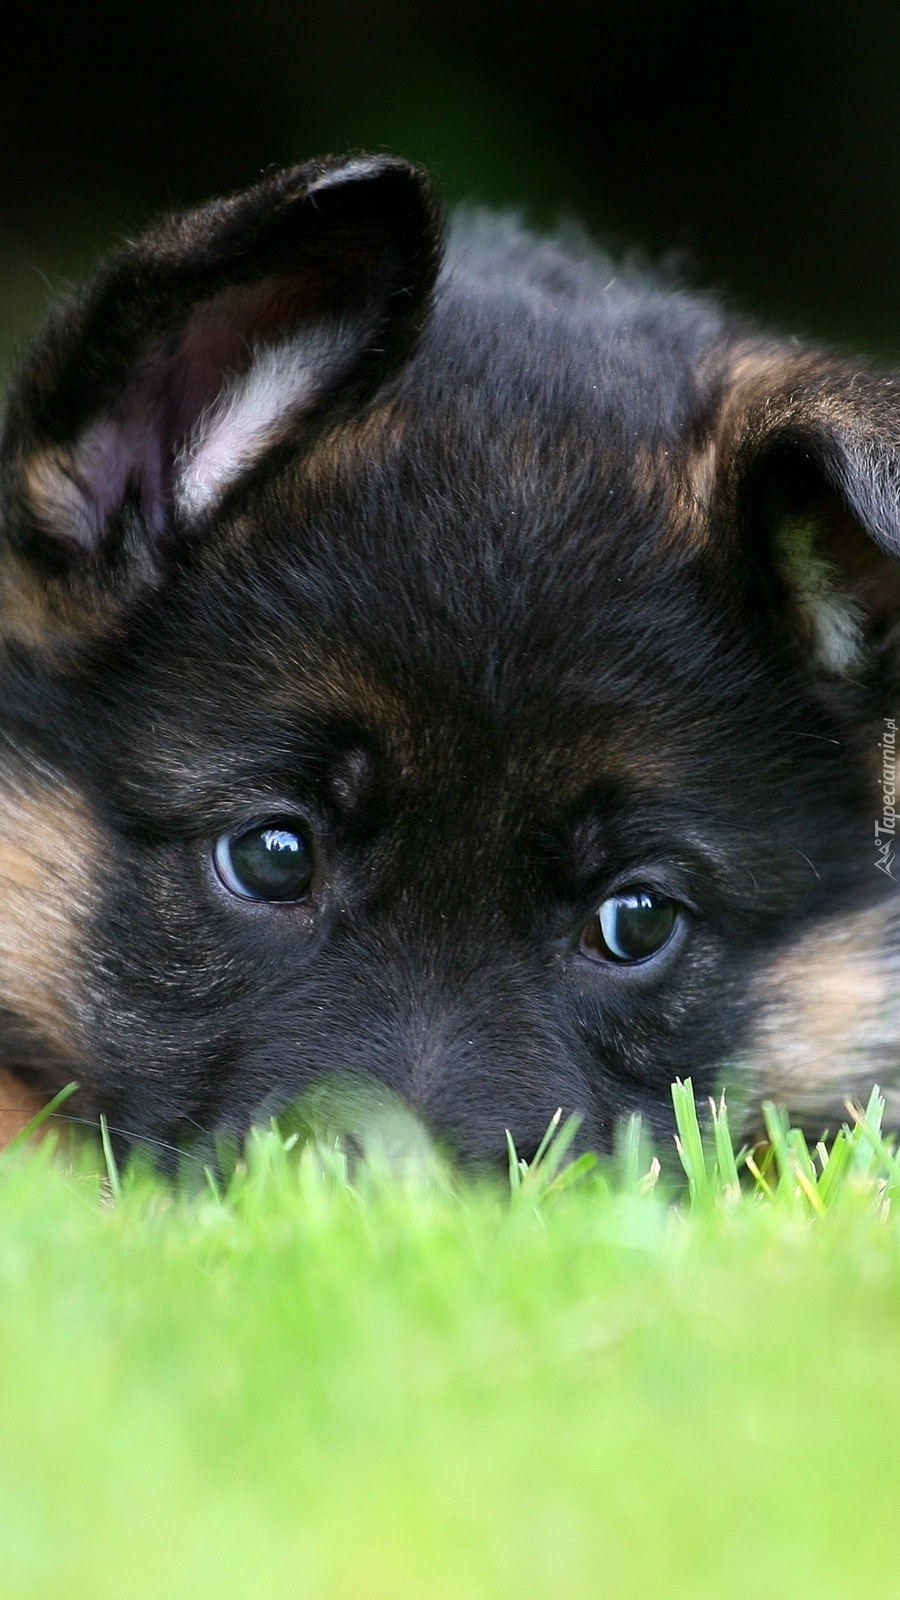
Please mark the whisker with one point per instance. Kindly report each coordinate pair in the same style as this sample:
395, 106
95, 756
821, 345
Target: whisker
125, 1133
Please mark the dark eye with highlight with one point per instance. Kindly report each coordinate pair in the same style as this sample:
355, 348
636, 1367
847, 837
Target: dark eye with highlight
630, 926
271, 860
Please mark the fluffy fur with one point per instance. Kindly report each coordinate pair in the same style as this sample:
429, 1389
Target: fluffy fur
517, 583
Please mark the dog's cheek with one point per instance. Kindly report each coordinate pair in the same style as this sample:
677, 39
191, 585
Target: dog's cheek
827, 1022
50, 858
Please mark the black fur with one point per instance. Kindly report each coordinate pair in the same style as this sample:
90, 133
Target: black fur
505, 615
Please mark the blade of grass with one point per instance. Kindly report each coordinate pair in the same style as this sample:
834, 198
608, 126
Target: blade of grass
112, 1166
40, 1117
777, 1129
517, 1168
758, 1174
726, 1161
549, 1135
834, 1160
629, 1146
572, 1172
550, 1154
867, 1124
689, 1142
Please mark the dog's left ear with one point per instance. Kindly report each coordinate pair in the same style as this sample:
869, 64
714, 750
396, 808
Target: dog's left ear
197, 349
802, 482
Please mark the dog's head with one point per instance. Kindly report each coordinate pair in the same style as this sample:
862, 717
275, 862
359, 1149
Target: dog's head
473, 678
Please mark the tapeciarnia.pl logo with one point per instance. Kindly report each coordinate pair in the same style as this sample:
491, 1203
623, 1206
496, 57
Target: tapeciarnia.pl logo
886, 829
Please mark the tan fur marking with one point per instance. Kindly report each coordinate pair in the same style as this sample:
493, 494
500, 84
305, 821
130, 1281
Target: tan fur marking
32, 616
682, 485
765, 387
829, 1020
56, 498
49, 854
346, 686
372, 436
18, 1105
693, 482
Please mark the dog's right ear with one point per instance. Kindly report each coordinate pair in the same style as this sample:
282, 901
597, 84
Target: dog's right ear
196, 349
800, 477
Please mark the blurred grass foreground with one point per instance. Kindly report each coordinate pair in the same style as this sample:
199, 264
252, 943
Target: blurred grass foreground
374, 1381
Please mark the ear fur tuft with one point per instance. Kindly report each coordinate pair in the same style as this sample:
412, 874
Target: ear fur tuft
199, 347
807, 470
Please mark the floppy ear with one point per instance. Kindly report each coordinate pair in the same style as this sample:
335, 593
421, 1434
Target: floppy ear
198, 347
806, 468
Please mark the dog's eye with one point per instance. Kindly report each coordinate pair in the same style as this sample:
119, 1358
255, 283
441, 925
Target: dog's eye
630, 926
270, 861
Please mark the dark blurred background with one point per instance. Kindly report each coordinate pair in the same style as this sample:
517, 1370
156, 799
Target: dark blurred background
762, 142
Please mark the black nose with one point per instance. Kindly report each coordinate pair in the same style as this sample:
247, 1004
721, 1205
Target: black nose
498, 1121
479, 1087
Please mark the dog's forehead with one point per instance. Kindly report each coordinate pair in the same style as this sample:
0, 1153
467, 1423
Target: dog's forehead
494, 566
545, 690
546, 392
547, 624
537, 376
528, 479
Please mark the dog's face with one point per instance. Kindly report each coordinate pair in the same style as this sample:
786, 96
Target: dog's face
473, 680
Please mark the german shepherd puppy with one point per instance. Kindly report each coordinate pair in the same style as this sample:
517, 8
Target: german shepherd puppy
462, 667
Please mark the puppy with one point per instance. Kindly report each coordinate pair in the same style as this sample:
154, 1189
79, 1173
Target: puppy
456, 666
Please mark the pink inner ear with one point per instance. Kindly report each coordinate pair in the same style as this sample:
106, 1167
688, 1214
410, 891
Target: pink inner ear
219, 338
250, 412
193, 417
247, 361
74, 492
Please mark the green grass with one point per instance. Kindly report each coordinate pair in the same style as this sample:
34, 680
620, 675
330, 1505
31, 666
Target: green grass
380, 1383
